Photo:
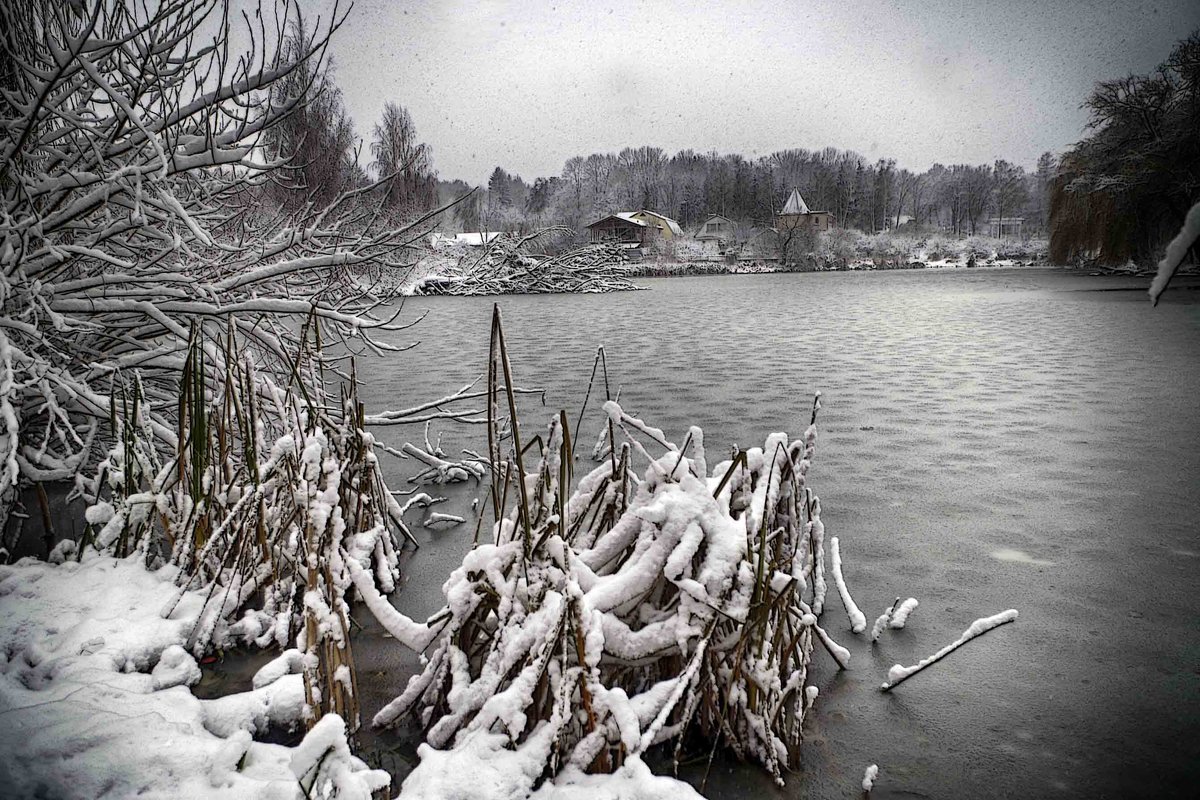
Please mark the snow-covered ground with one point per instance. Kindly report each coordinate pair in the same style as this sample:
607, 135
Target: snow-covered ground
95, 699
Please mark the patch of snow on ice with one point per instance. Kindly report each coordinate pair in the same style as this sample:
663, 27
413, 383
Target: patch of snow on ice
1019, 557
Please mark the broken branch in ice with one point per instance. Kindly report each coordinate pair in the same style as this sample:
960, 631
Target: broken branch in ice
899, 674
439, 470
1176, 253
903, 611
438, 520
883, 620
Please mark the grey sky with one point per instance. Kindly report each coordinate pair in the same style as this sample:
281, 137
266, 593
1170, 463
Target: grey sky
527, 85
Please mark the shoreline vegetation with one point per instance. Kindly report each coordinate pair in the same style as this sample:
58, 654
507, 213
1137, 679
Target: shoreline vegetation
513, 264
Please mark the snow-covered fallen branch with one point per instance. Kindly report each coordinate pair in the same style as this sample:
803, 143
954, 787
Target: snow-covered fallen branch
898, 674
506, 267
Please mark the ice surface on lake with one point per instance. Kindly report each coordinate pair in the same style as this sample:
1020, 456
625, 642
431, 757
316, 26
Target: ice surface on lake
1033, 410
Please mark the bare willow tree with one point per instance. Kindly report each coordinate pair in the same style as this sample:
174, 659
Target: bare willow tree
402, 162
133, 144
1123, 191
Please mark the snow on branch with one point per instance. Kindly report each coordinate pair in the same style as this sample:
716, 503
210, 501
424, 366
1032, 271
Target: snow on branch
137, 168
1177, 251
898, 674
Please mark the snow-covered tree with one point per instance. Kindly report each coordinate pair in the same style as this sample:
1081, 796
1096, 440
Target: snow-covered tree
134, 140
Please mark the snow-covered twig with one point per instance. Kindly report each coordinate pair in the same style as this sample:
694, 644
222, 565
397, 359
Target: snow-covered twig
900, 618
899, 674
883, 620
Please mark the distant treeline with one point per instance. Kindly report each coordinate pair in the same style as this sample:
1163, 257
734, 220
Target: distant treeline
1118, 194
688, 186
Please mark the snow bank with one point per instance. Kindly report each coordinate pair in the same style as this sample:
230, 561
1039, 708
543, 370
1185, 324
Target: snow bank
94, 700
483, 768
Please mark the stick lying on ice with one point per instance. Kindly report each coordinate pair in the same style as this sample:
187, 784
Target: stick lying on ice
899, 674
439, 469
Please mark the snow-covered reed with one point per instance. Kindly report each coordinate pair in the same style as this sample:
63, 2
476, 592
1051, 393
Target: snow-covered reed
258, 508
655, 600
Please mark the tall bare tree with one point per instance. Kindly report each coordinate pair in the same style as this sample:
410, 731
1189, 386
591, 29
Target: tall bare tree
403, 163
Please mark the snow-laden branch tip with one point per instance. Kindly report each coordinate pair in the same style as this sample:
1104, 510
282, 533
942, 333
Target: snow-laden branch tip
1177, 251
903, 611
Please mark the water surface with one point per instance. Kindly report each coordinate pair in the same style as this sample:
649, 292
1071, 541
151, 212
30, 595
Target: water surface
989, 439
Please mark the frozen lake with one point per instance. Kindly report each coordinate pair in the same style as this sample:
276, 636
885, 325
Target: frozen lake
990, 439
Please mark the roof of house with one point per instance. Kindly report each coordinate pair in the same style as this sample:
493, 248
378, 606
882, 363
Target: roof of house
711, 217
670, 223
795, 204
624, 216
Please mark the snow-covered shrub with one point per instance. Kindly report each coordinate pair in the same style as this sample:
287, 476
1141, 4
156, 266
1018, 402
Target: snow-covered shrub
840, 245
693, 250
657, 600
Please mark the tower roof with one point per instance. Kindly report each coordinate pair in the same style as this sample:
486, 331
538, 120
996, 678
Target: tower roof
795, 204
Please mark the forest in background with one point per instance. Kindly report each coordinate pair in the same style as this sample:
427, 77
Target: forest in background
1111, 196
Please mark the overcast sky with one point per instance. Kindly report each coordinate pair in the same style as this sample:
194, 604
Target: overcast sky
526, 85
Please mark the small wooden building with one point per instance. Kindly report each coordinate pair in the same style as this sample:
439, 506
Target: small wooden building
621, 228
634, 228
716, 229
